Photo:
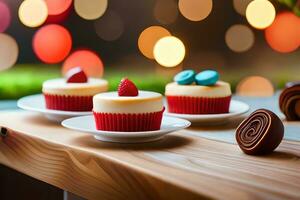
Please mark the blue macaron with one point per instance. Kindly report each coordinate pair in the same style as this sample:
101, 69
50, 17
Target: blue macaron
207, 77
185, 77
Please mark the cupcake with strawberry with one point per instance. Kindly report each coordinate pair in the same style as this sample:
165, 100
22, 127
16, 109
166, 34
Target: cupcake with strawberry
201, 93
128, 109
74, 92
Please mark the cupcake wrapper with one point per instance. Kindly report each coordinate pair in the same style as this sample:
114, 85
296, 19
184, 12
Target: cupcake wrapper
69, 103
198, 105
128, 122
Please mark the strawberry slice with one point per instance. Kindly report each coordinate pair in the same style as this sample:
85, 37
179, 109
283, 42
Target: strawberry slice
76, 75
127, 88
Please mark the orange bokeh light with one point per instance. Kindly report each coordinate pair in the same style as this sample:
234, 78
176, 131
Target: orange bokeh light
195, 10
284, 33
52, 43
148, 39
256, 86
88, 60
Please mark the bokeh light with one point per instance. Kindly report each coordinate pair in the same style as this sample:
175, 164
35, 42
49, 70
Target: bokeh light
91, 9
88, 60
195, 10
256, 86
9, 51
260, 13
5, 16
33, 13
239, 38
169, 51
58, 10
240, 6
52, 43
110, 26
284, 33
165, 11
57, 7
148, 39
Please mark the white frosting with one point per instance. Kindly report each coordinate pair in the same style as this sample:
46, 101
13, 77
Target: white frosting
111, 102
220, 89
61, 87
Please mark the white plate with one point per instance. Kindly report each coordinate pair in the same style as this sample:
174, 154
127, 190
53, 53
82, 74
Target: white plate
36, 103
87, 124
236, 108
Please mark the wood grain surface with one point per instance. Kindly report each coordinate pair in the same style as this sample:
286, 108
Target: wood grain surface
183, 165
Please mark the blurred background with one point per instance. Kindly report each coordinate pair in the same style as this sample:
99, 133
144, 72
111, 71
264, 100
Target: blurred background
252, 43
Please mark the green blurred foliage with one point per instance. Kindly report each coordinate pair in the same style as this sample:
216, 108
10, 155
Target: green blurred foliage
23, 80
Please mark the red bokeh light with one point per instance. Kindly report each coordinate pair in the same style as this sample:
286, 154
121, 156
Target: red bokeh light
5, 16
58, 10
88, 60
284, 33
57, 7
52, 43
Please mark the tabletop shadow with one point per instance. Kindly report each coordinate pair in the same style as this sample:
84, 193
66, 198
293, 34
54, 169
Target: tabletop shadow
167, 142
41, 120
280, 155
231, 124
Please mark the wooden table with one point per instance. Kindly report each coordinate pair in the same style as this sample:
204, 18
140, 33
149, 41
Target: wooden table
184, 165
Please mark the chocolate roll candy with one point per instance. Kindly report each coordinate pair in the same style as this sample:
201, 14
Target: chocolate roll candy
289, 101
260, 133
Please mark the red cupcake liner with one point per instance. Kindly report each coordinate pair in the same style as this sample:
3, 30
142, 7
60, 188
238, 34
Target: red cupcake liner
128, 122
68, 102
198, 105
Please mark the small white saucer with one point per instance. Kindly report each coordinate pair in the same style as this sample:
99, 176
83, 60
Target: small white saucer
87, 124
36, 103
236, 108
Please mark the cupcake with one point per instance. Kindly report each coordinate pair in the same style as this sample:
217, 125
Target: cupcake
203, 93
128, 109
73, 93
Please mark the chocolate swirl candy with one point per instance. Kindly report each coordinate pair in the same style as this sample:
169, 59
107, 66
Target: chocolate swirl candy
260, 133
289, 101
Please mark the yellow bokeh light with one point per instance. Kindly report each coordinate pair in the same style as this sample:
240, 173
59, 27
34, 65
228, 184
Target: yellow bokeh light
33, 13
260, 13
195, 10
91, 9
9, 51
148, 39
169, 51
239, 38
256, 86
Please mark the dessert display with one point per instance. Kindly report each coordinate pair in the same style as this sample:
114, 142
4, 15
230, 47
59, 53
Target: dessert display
260, 133
201, 93
73, 93
128, 109
289, 101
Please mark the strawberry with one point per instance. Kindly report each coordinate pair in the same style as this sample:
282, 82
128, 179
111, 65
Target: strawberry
76, 75
127, 88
